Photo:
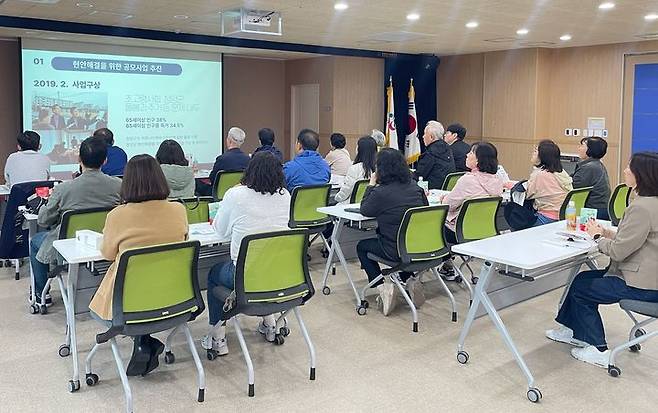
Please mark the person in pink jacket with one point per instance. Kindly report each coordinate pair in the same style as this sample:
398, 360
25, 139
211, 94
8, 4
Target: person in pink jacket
482, 181
548, 184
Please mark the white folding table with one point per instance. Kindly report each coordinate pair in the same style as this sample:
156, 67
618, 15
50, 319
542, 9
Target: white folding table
75, 255
527, 255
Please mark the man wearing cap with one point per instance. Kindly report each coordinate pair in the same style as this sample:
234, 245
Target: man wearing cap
233, 159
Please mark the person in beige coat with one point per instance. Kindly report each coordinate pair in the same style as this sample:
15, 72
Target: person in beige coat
633, 252
145, 218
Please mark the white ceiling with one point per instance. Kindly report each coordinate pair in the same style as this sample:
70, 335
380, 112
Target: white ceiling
379, 24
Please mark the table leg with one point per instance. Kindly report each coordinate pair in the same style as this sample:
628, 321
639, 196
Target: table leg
485, 275
74, 383
335, 248
334, 236
31, 230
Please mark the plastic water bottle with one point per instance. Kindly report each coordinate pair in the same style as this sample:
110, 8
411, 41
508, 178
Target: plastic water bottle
424, 184
570, 216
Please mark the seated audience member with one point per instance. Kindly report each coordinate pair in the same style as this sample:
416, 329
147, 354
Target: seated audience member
92, 189
338, 158
379, 137
590, 171
308, 167
548, 184
482, 181
454, 136
633, 252
116, 157
260, 203
145, 218
233, 159
266, 138
177, 171
27, 164
391, 192
363, 167
437, 161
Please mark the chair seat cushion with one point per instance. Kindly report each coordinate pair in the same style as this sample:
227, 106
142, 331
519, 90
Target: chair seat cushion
253, 309
399, 266
641, 307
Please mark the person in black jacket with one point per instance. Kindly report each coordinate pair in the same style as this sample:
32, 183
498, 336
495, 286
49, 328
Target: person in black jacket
266, 138
233, 159
454, 137
390, 194
590, 171
437, 160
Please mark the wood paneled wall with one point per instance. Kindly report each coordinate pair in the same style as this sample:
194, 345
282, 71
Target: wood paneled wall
532, 94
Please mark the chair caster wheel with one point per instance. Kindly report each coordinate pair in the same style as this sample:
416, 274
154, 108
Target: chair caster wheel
74, 386
211, 355
7, 263
2, 264
43, 309
325, 254
64, 350
614, 371
285, 331
326, 290
459, 279
34, 309
91, 379
279, 340
361, 310
462, 357
474, 281
169, 357
534, 395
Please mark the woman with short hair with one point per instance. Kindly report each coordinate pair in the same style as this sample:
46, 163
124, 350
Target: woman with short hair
145, 218
590, 171
631, 275
548, 184
338, 158
176, 168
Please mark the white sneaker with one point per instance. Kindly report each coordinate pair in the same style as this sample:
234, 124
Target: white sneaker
592, 355
415, 290
564, 334
217, 345
267, 327
387, 299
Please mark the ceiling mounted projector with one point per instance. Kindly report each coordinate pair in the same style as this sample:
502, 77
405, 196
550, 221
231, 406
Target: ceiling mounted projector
248, 23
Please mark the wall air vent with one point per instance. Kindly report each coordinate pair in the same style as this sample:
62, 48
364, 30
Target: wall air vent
647, 36
538, 44
502, 40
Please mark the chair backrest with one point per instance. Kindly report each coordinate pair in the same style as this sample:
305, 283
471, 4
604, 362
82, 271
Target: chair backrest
262, 276
477, 219
197, 208
420, 236
304, 203
358, 191
92, 219
579, 196
451, 180
224, 180
618, 202
156, 283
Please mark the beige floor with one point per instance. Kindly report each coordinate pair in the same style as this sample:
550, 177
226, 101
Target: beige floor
370, 363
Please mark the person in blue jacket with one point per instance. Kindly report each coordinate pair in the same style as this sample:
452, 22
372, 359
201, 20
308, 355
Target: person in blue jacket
116, 157
308, 167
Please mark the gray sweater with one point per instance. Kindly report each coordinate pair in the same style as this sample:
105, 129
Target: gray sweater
591, 172
180, 180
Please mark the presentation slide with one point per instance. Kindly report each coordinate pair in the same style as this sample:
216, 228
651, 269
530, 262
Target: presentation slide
143, 100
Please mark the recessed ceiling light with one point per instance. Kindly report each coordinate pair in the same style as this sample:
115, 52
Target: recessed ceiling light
181, 17
652, 16
413, 16
607, 5
472, 25
565, 37
341, 6
522, 32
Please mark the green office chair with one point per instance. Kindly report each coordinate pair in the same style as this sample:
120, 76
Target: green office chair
476, 221
359, 190
579, 196
268, 283
92, 219
421, 247
224, 180
637, 335
156, 289
304, 204
618, 202
197, 208
451, 180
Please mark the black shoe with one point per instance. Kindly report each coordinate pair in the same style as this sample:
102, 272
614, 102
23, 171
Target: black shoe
140, 358
157, 348
447, 272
